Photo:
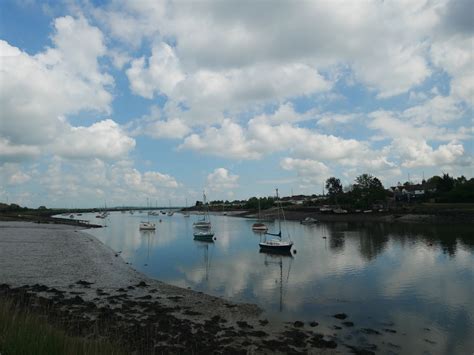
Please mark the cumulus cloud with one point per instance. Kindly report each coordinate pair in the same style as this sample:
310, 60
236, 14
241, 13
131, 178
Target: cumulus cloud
158, 125
221, 180
17, 152
12, 174
229, 140
311, 171
454, 55
417, 153
361, 34
104, 140
91, 182
39, 91
160, 73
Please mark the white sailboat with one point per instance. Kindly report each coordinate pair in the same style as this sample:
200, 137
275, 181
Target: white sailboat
147, 225
170, 213
186, 213
277, 245
204, 225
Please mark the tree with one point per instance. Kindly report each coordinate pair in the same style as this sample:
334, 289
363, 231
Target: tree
446, 183
334, 188
368, 189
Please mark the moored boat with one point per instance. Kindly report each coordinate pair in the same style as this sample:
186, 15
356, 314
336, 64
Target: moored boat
309, 220
147, 226
277, 245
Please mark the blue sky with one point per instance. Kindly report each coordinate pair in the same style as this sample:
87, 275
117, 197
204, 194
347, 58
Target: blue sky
120, 101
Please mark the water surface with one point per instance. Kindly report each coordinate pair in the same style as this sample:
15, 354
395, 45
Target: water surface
414, 284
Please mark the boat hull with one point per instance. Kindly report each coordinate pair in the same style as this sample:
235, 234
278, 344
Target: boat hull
275, 247
259, 227
202, 226
208, 237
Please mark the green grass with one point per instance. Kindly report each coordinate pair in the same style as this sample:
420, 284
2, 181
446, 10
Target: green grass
26, 333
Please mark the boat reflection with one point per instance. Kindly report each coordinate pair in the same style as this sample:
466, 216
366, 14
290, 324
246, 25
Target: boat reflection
147, 234
204, 245
271, 259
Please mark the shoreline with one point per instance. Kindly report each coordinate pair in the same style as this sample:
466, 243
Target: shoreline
83, 285
422, 217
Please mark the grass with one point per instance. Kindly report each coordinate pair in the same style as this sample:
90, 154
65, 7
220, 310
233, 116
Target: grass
22, 332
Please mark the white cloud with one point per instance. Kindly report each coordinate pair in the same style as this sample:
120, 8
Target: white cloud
454, 55
17, 152
228, 141
417, 153
13, 175
39, 91
329, 120
221, 180
104, 140
311, 171
158, 74
362, 35
157, 125
91, 182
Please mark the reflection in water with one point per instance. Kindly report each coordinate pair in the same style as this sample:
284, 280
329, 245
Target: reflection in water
277, 259
411, 276
204, 245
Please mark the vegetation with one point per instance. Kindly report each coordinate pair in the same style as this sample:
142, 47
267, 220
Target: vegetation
25, 333
334, 188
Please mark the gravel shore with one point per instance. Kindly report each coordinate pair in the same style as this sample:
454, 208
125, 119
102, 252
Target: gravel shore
88, 289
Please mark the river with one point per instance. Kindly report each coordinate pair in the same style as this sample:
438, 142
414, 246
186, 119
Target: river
407, 288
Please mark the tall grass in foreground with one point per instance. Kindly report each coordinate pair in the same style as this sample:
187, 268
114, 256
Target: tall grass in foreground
26, 333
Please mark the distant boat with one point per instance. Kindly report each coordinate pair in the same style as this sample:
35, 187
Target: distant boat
259, 226
186, 213
309, 220
276, 245
339, 210
204, 224
147, 226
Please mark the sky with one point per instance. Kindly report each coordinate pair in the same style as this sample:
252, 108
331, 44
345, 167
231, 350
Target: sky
120, 102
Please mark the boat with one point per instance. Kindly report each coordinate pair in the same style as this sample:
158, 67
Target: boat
309, 220
277, 244
186, 213
339, 211
204, 235
170, 213
147, 226
259, 226
204, 224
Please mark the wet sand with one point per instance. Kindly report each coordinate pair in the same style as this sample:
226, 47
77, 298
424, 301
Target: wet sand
85, 287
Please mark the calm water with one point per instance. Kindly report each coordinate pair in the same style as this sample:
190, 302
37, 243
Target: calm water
415, 279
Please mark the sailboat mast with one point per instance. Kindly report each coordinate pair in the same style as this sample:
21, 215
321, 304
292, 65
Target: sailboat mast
279, 219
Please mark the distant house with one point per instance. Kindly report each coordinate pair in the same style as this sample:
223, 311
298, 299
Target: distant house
294, 200
411, 191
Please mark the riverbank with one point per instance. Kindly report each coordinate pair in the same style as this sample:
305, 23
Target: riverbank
84, 287
427, 214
